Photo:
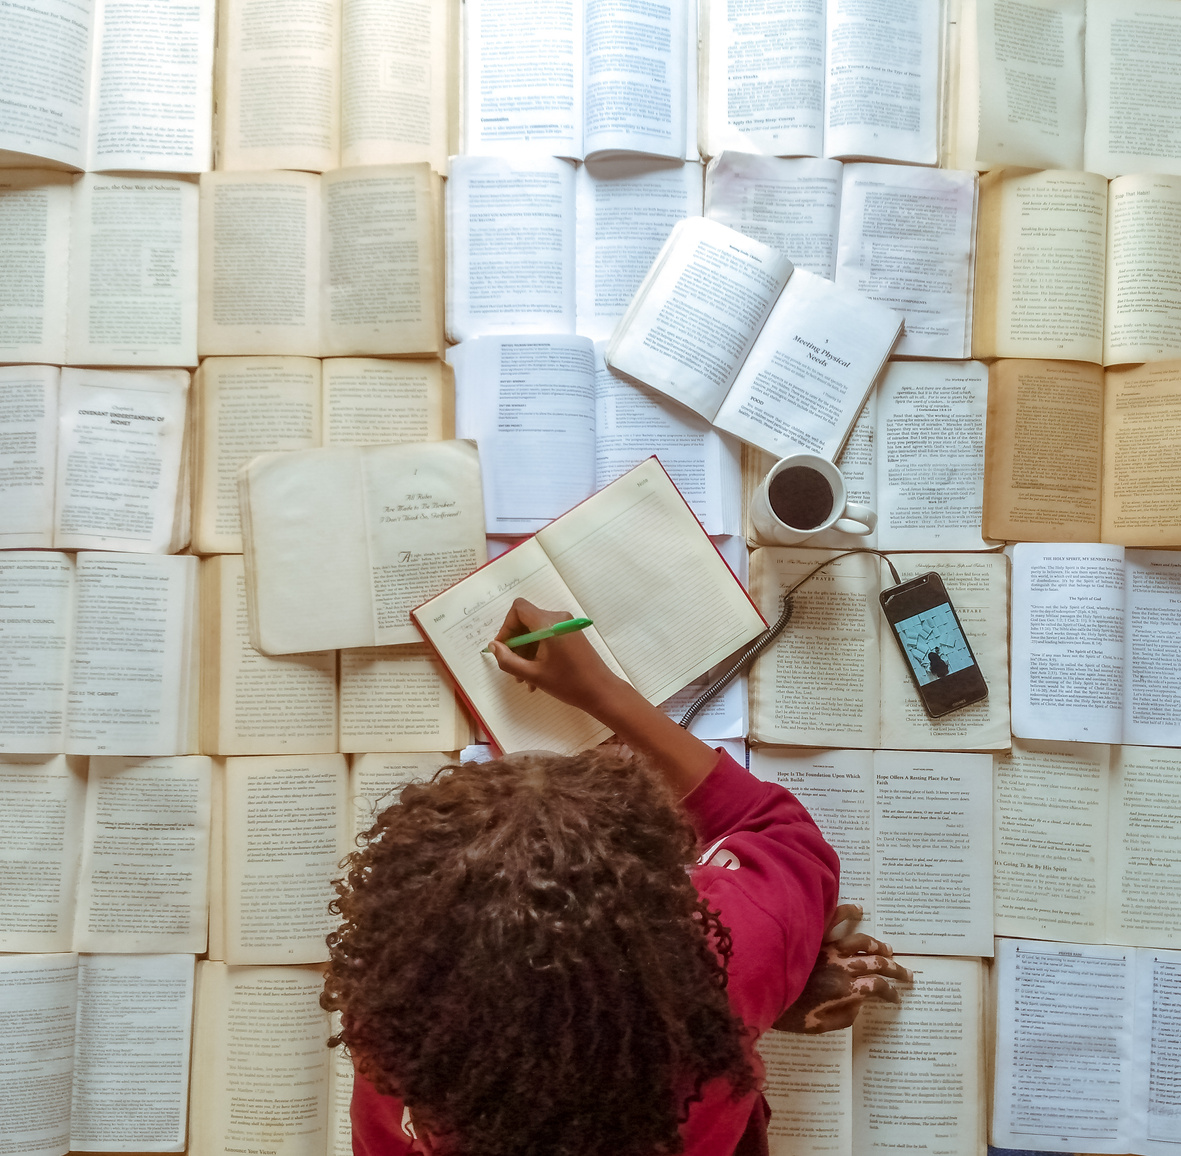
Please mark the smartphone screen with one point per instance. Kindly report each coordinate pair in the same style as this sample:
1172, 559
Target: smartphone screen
932, 641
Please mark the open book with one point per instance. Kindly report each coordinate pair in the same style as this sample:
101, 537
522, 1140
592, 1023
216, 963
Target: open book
632, 558
554, 425
782, 359
835, 677
914, 833
98, 270
107, 86
348, 263
1097, 644
835, 79
1085, 1048
1079, 454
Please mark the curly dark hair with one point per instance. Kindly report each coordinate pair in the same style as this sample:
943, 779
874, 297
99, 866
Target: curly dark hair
524, 959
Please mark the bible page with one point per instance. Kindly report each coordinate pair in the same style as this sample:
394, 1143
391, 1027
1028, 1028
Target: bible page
1155, 1067
807, 1086
28, 443
260, 263
41, 805
1050, 839
1068, 647
1031, 82
133, 272
35, 211
1044, 451
376, 782
1152, 655
131, 1057
818, 683
286, 831
376, 401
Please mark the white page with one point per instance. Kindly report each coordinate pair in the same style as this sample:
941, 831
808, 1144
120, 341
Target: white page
35, 252
1152, 659
1063, 1046
858, 465
41, 804
152, 86
625, 212
35, 655
529, 403
792, 205
377, 401
28, 445
1156, 1065
510, 246
340, 1094
131, 1060
808, 1081
906, 241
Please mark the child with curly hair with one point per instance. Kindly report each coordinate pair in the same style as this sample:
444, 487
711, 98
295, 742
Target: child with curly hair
551, 956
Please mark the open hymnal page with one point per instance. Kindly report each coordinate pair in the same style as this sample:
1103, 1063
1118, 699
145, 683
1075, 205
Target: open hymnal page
35, 208
370, 401
1152, 648
1030, 82
145, 854
808, 1078
28, 440
285, 832
41, 806
131, 1053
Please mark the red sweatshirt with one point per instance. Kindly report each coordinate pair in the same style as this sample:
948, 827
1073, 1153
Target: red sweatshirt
768, 870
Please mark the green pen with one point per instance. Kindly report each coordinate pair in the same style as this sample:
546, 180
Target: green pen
569, 626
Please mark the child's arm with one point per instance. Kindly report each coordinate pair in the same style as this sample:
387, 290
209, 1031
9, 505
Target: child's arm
570, 669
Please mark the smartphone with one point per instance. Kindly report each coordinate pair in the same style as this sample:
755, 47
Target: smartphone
933, 644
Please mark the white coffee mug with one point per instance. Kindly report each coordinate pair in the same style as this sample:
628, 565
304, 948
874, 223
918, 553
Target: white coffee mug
802, 495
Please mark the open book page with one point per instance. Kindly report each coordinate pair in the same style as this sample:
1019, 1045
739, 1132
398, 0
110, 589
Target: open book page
529, 403
633, 422
882, 80
35, 247
260, 263
1068, 633
1063, 1046
277, 88
1044, 451
857, 461
260, 1067
807, 376
382, 289
1133, 66
252, 703
151, 87
375, 401
918, 1068
808, 1082
763, 70
1154, 1067
131, 1059
38, 1010
1152, 656
906, 241
1144, 861
510, 242
1141, 483
930, 455
1030, 82
145, 853
340, 1095
461, 621
696, 315
34, 661
28, 440
818, 683
641, 566
119, 457
41, 807
396, 74
376, 782
245, 406
133, 272
286, 820
1050, 871
216, 948
791, 205
961, 93
398, 698
625, 212
979, 588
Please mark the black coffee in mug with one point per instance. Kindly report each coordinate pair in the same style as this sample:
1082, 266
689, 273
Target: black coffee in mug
800, 497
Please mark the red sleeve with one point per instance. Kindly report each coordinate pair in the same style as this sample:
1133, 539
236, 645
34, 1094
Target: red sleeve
377, 1122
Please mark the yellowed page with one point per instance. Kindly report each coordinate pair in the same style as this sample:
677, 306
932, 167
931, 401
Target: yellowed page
376, 782
818, 683
29, 428
808, 1081
286, 830
988, 264
1043, 451
217, 861
376, 401
1141, 466
340, 1094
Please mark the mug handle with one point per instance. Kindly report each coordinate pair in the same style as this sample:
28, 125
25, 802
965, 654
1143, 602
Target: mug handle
865, 522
